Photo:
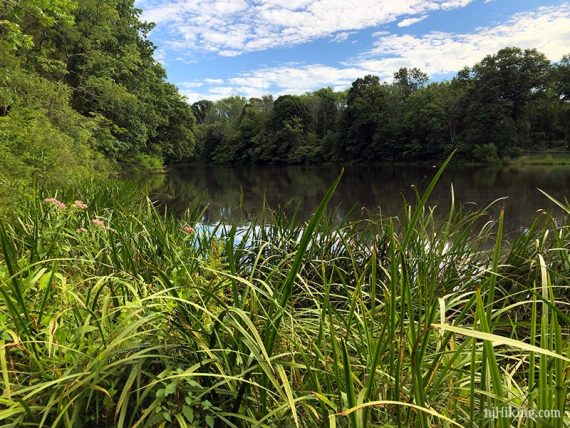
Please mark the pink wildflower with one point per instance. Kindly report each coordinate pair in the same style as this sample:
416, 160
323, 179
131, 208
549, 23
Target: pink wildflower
55, 202
188, 229
81, 230
98, 222
80, 204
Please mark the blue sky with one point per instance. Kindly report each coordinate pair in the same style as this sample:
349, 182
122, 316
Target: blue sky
217, 48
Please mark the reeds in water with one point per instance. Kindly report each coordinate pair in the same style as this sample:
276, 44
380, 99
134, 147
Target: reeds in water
142, 319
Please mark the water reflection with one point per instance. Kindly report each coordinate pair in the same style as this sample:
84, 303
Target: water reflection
237, 194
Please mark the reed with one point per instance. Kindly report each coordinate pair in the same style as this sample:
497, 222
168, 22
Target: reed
143, 319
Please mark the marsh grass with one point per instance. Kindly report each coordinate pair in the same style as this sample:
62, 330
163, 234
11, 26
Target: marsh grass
403, 321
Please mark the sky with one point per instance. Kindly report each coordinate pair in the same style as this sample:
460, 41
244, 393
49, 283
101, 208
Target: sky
213, 49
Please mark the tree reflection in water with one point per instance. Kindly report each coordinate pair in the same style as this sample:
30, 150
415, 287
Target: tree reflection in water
237, 194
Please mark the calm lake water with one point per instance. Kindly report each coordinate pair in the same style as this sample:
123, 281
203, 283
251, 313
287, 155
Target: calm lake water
236, 194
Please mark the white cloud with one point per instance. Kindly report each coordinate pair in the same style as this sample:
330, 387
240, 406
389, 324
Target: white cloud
452, 4
546, 29
289, 79
437, 53
190, 85
214, 81
232, 27
410, 21
342, 36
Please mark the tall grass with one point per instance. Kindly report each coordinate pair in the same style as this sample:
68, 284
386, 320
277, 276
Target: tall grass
407, 321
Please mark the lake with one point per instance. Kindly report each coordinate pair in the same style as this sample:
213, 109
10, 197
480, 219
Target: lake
236, 193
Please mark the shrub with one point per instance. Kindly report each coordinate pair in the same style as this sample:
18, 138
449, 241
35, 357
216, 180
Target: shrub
485, 153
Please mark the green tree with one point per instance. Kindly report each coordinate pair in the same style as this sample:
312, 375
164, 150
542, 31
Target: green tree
254, 142
410, 80
504, 85
562, 79
365, 104
111, 68
201, 109
288, 107
41, 136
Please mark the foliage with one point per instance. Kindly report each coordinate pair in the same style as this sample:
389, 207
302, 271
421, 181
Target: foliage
514, 100
485, 153
150, 163
43, 139
116, 314
79, 90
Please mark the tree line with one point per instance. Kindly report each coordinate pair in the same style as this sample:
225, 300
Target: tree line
513, 102
81, 94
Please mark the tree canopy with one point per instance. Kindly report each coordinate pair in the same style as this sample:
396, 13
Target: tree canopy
80, 90
512, 102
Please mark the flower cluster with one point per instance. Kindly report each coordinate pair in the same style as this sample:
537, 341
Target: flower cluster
99, 223
55, 202
80, 205
77, 204
188, 229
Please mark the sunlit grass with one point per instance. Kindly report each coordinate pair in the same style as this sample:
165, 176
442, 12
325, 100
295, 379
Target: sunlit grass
543, 159
143, 319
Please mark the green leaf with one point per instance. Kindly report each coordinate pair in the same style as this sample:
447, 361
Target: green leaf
170, 389
188, 413
500, 340
210, 421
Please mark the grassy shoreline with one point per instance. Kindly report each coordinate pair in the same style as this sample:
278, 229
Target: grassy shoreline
139, 319
542, 159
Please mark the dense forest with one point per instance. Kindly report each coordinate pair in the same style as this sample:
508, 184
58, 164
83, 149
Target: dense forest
510, 103
80, 93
